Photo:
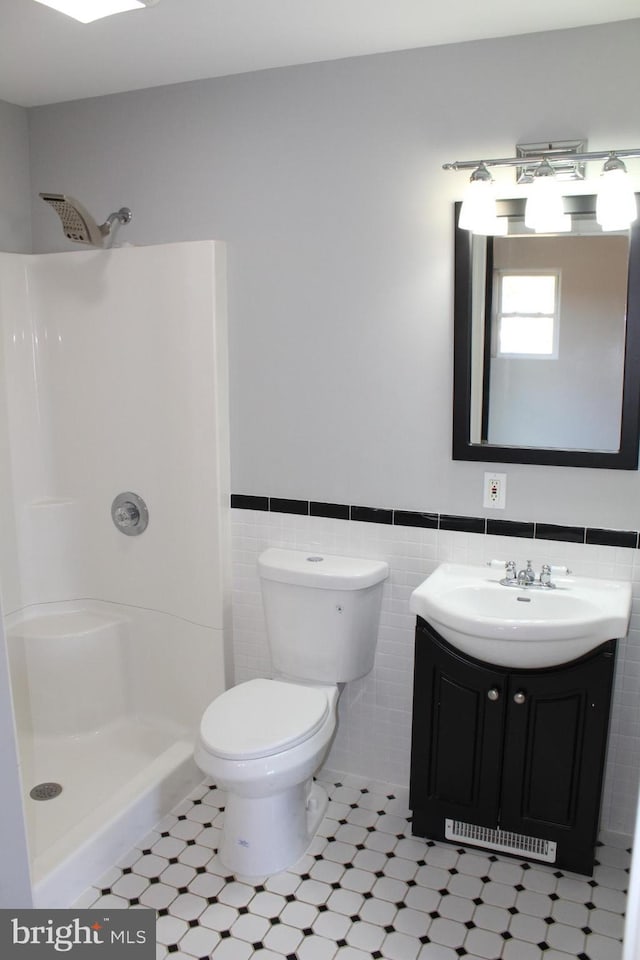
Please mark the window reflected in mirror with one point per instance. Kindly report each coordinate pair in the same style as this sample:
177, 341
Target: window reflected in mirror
527, 313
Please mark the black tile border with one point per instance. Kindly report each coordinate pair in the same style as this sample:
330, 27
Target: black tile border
242, 502
334, 511
510, 528
462, 524
280, 505
558, 531
371, 514
444, 521
412, 518
612, 538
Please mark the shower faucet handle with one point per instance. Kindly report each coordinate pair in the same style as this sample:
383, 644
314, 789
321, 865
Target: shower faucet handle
130, 514
127, 515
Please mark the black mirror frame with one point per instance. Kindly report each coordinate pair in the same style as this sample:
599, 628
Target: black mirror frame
463, 449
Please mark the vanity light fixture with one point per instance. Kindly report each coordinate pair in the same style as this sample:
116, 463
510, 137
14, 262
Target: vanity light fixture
616, 201
544, 209
616, 206
478, 211
86, 11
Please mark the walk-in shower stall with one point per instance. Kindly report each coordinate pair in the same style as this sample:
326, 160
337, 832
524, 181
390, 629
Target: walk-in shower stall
114, 382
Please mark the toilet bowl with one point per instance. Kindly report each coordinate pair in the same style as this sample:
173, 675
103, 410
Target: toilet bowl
262, 741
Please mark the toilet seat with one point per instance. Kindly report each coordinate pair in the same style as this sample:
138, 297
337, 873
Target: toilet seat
262, 717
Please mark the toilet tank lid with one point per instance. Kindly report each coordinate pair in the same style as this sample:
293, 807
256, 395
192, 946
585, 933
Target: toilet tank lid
314, 569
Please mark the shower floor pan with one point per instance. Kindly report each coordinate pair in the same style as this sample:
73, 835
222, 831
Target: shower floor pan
120, 772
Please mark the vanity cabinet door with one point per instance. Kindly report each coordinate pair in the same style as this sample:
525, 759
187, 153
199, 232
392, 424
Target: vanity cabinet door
458, 720
521, 751
555, 741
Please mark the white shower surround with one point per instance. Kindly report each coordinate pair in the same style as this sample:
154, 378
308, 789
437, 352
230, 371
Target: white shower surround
114, 364
374, 728
104, 706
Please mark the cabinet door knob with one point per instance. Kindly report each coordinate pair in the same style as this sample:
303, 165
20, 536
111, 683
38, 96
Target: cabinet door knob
493, 694
519, 697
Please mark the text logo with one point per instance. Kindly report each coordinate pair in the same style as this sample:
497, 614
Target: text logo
32, 934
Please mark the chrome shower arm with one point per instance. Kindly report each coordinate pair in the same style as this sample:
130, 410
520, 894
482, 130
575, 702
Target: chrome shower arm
123, 215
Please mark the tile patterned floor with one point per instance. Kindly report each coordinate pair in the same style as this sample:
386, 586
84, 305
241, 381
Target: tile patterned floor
365, 889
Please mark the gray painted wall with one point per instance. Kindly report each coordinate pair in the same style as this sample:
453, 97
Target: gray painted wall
326, 182
15, 211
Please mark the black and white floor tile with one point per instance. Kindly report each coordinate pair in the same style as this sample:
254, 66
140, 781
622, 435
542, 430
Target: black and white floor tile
365, 889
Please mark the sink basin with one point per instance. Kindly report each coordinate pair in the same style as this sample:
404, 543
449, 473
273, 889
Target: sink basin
521, 627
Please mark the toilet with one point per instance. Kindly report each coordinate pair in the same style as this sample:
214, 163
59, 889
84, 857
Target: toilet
263, 740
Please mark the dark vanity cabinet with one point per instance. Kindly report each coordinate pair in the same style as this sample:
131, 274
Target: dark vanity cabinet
509, 757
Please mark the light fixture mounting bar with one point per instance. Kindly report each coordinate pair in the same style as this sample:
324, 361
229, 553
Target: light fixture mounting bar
517, 161
564, 167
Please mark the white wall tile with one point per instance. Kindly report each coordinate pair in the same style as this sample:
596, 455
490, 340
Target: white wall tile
374, 730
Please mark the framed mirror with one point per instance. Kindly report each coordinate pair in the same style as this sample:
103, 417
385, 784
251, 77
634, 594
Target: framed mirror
547, 343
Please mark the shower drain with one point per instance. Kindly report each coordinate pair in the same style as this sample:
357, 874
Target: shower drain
45, 791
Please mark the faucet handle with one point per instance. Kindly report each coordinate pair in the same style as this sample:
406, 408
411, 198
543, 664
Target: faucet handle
545, 575
510, 569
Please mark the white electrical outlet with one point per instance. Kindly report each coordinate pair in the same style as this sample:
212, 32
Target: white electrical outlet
495, 491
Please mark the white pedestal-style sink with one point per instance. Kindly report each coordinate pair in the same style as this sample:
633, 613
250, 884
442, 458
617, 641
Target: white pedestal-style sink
524, 627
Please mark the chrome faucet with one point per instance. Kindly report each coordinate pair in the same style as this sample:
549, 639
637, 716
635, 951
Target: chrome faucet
526, 577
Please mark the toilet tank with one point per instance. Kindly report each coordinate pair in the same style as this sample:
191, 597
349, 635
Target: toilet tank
322, 613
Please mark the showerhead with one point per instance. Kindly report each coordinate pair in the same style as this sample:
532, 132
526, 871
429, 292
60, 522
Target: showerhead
78, 224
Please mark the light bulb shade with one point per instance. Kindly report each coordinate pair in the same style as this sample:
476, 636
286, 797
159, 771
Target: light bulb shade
616, 207
478, 211
544, 209
478, 204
